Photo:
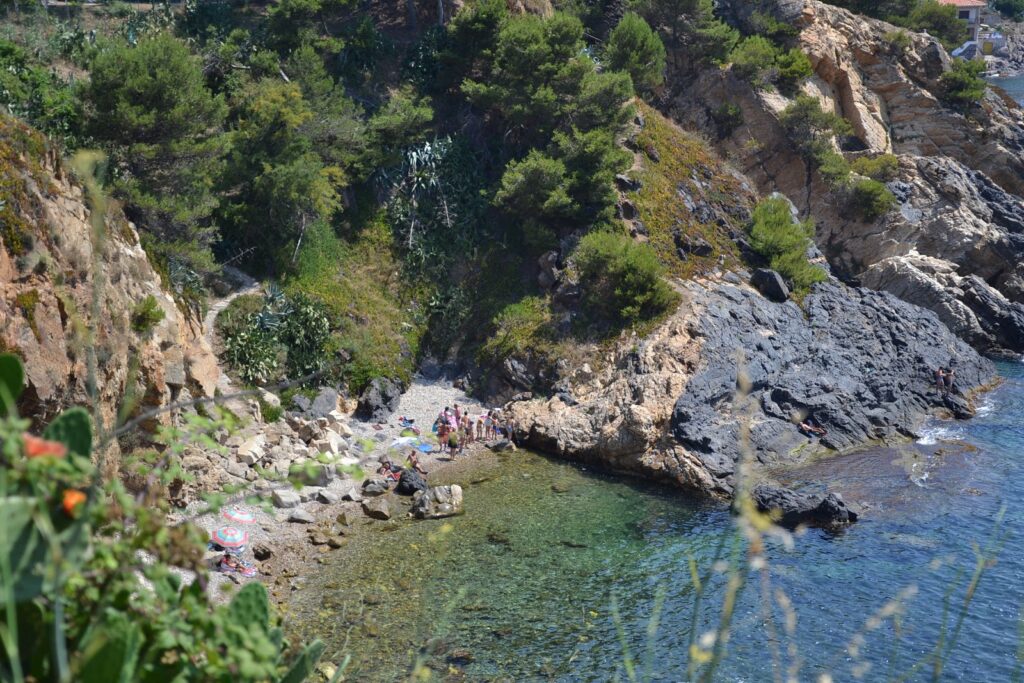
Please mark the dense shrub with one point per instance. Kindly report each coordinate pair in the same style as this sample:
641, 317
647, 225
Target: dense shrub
811, 130
753, 60
783, 242
884, 167
871, 199
727, 118
519, 326
635, 48
146, 314
794, 68
761, 63
963, 85
621, 280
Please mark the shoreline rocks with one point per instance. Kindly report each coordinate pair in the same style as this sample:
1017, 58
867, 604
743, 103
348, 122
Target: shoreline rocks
669, 407
789, 508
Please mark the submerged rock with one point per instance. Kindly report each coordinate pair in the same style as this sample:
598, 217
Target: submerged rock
791, 508
437, 502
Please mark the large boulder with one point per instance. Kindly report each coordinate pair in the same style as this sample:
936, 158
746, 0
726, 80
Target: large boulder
410, 482
375, 486
791, 508
378, 508
437, 502
770, 284
379, 400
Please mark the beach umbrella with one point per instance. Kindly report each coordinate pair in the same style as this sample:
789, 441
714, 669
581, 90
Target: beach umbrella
236, 514
231, 537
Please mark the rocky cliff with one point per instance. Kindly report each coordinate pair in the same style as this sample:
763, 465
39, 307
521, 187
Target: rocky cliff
66, 292
669, 406
955, 244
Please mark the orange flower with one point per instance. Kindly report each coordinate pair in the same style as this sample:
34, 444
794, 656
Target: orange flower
72, 499
36, 447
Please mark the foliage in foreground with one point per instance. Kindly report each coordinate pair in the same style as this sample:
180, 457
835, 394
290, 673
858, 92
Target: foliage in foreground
783, 242
88, 589
963, 85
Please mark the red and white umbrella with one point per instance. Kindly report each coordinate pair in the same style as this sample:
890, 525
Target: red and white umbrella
230, 537
237, 514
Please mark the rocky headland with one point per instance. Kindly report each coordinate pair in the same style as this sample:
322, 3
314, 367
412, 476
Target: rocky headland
732, 372
955, 243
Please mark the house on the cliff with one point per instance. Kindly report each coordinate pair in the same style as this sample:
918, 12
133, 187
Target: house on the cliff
970, 11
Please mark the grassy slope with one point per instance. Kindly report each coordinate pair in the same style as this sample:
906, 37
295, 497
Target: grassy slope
359, 280
685, 161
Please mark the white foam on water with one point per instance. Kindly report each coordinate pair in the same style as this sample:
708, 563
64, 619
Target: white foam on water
932, 434
986, 406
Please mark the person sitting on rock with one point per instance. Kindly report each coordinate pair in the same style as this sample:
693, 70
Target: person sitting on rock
413, 461
389, 470
811, 428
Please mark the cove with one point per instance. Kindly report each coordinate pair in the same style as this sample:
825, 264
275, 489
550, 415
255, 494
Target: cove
554, 571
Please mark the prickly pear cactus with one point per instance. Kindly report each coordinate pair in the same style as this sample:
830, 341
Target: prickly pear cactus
73, 428
250, 606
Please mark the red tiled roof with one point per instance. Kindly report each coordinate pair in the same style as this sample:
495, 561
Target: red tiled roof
965, 3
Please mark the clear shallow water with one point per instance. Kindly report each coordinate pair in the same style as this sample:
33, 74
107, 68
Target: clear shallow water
1013, 86
520, 588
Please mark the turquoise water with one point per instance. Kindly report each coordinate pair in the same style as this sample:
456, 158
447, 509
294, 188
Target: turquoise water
522, 587
1014, 86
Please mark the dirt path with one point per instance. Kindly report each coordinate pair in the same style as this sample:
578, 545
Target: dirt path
243, 285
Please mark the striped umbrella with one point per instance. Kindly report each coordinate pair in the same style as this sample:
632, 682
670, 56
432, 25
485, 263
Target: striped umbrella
231, 537
237, 514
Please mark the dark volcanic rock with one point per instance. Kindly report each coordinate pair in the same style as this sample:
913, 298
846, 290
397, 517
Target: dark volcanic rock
1001, 319
794, 508
410, 482
379, 400
861, 363
770, 284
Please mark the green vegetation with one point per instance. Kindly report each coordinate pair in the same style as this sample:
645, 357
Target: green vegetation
146, 315
783, 242
682, 158
963, 86
812, 130
871, 199
281, 331
27, 302
622, 280
884, 167
635, 48
518, 326
71, 604
763, 63
937, 19
1011, 9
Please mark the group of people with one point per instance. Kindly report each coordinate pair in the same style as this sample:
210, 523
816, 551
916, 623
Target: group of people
456, 428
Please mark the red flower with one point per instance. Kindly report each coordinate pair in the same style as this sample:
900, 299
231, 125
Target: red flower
37, 448
72, 499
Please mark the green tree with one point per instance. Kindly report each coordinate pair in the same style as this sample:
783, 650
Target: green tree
621, 280
535, 191
783, 242
963, 85
635, 48
277, 182
1011, 9
149, 105
794, 68
753, 60
941, 21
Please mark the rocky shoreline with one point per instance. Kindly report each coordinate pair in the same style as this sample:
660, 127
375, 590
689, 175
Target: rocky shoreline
670, 407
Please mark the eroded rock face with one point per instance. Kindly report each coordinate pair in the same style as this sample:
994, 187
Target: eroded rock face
959, 184
859, 362
47, 283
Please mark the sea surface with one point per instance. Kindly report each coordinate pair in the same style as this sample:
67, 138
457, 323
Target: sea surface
556, 573
1014, 86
